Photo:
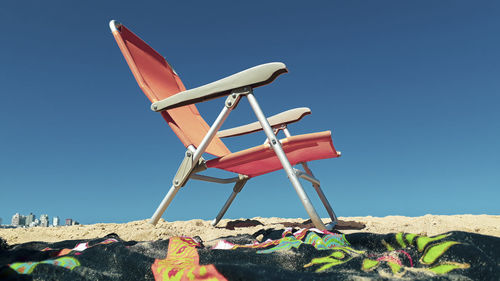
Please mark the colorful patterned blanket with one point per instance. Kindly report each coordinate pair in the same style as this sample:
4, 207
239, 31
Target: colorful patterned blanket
289, 254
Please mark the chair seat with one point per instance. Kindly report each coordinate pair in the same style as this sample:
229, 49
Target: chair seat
261, 159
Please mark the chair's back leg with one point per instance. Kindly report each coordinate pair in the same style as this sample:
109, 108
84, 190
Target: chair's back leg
276, 145
193, 155
238, 186
321, 195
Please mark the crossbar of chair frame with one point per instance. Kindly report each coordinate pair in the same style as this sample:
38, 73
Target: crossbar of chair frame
306, 176
292, 173
213, 179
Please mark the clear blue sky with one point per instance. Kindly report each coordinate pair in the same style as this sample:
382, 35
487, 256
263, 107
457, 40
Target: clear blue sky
410, 89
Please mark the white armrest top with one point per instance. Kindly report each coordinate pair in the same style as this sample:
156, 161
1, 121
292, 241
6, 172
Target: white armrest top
254, 77
286, 117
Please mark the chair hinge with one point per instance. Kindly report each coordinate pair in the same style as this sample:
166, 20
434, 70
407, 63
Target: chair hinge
235, 96
187, 167
240, 183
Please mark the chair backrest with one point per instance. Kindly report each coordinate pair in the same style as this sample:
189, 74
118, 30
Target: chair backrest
158, 81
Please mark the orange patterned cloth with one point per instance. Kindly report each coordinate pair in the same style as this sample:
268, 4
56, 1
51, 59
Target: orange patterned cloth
182, 263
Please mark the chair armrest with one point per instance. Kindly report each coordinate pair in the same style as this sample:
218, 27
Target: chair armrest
254, 77
286, 117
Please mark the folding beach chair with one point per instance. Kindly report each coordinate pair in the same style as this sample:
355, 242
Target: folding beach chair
163, 87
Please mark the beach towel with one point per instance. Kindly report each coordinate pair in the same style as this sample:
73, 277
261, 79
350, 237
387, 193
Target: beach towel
284, 254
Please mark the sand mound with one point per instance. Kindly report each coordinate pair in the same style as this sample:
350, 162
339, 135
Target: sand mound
143, 231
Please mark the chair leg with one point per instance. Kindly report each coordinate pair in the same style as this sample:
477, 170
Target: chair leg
321, 195
164, 204
238, 186
276, 145
328, 208
180, 179
193, 155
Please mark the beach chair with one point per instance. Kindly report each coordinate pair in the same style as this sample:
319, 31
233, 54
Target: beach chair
161, 84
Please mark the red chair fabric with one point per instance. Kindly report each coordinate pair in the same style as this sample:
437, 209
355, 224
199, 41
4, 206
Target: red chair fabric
262, 159
158, 81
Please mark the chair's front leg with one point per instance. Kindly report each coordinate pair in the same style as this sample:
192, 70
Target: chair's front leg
321, 195
275, 132
276, 145
287, 133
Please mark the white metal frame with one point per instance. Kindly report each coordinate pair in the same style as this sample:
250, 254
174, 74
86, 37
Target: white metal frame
292, 173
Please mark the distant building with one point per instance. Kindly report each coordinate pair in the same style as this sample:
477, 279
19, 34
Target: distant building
22, 220
0, 221
30, 219
44, 220
34, 223
16, 220
69, 222
55, 221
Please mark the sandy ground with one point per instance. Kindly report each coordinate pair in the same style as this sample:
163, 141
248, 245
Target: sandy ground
143, 231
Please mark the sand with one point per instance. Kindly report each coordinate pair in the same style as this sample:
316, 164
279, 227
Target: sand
143, 231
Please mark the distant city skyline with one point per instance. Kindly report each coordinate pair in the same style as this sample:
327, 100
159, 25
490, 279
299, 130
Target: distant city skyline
19, 220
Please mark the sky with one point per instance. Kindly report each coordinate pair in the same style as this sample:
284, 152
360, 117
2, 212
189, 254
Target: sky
409, 89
